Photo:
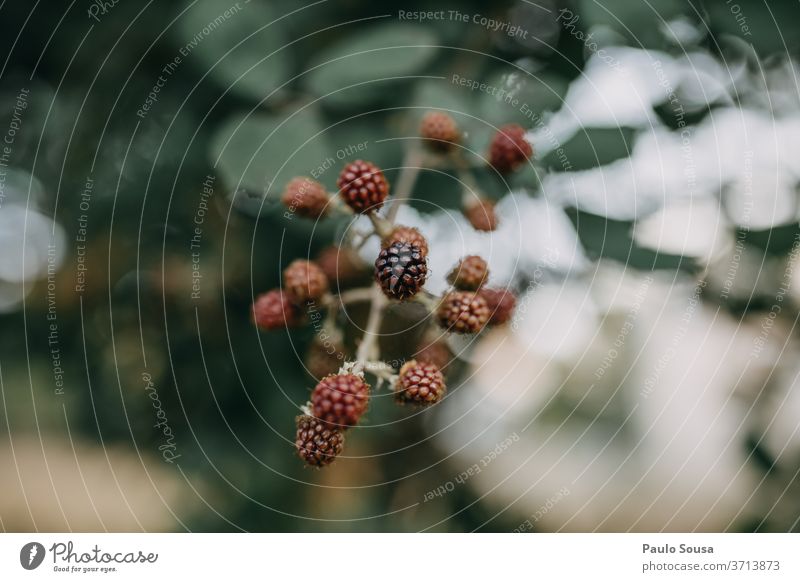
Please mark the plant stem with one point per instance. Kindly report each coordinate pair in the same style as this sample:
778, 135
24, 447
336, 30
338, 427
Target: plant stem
471, 189
412, 164
353, 296
370, 339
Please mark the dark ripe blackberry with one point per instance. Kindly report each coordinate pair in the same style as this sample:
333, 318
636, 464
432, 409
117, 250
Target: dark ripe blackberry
509, 148
401, 270
501, 303
463, 312
410, 235
419, 383
439, 131
340, 399
362, 186
481, 215
469, 274
317, 444
273, 310
304, 281
307, 197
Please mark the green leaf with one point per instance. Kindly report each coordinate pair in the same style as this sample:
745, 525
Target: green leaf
255, 65
590, 148
521, 97
371, 60
261, 152
640, 22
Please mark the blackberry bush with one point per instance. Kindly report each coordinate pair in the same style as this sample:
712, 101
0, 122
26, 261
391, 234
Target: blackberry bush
316, 291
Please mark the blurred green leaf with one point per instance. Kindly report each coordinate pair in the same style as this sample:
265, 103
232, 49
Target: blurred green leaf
261, 152
592, 147
372, 60
639, 22
250, 31
523, 99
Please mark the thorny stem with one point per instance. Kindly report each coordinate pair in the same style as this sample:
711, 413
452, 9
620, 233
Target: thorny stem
412, 164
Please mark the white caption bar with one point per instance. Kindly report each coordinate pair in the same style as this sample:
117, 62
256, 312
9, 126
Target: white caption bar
389, 557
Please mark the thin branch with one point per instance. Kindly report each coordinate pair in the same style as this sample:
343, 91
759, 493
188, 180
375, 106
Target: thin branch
353, 296
412, 164
370, 339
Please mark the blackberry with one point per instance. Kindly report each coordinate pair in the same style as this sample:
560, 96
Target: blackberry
340, 399
463, 312
420, 383
410, 235
501, 303
362, 186
470, 274
307, 197
509, 148
481, 215
304, 281
341, 266
317, 443
273, 310
439, 131
401, 270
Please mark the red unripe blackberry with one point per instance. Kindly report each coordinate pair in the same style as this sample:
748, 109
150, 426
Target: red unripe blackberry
469, 274
439, 131
401, 270
317, 443
436, 353
501, 304
410, 235
481, 215
509, 148
419, 383
463, 312
307, 197
273, 310
341, 265
362, 186
304, 281
340, 399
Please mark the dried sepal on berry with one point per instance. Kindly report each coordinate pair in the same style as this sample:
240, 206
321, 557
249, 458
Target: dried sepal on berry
407, 234
463, 312
401, 270
307, 197
481, 215
340, 399
509, 148
362, 186
501, 303
469, 274
420, 383
304, 281
439, 130
317, 443
274, 310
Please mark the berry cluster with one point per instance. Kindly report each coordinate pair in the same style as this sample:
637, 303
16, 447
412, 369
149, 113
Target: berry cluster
341, 397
